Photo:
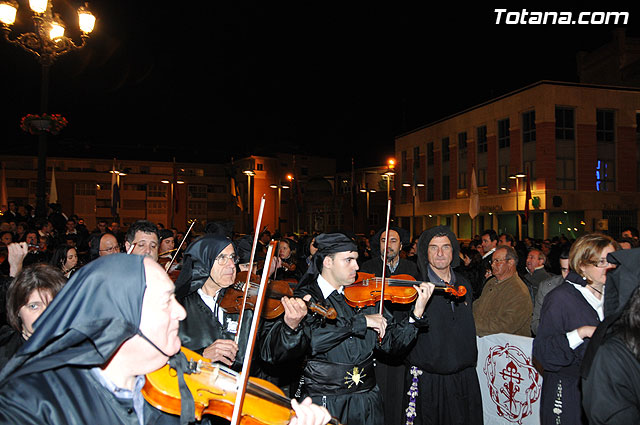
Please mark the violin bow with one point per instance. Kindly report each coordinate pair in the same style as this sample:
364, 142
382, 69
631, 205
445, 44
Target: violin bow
184, 238
248, 355
384, 256
253, 254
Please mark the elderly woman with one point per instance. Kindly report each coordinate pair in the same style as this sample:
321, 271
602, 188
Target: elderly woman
570, 315
65, 258
27, 297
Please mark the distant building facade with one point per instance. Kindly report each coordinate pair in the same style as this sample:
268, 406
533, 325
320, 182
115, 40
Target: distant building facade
577, 144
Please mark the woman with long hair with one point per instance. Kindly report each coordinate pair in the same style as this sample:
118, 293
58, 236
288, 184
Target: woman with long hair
65, 258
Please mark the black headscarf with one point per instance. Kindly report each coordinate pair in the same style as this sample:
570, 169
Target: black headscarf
374, 242
423, 246
327, 243
96, 311
197, 262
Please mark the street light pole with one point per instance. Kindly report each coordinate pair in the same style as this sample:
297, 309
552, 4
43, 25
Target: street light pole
47, 42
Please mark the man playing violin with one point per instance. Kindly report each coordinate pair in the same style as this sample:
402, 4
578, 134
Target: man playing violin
442, 364
339, 371
390, 370
209, 268
115, 320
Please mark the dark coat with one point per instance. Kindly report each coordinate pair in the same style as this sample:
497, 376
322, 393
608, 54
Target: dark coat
564, 310
201, 327
611, 395
10, 342
345, 340
70, 395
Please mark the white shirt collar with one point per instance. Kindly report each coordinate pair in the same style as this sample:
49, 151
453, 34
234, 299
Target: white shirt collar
597, 304
488, 253
327, 288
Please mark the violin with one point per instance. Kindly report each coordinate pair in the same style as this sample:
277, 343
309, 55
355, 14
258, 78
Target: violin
398, 289
232, 300
214, 389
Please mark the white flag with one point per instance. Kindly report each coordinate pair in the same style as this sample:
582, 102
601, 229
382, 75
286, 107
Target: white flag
474, 197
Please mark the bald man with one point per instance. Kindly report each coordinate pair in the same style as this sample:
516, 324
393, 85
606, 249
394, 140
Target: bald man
108, 245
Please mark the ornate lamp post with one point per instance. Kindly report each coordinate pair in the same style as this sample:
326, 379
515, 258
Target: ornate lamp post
47, 41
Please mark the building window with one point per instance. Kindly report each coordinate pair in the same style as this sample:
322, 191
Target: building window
462, 180
404, 161
503, 178
482, 177
504, 135
462, 144
482, 138
430, 154
446, 188
157, 190
605, 130
529, 127
197, 208
565, 174
260, 166
198, 191
85, 189
156, 207
605, 176
445, 149
565, 129
430, 189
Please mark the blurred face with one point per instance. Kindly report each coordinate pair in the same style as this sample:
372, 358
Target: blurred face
596, 271
504, 241
71, 225
6, 238
72, 259
625, 245
500, 266
564, 267
341, 269
102, 226
32, 239
109, 245
394, 245
440, 253
222, 275
487, 243
115, 227
284, 251
145, 244
161, 315
533, 261
312, 248
28, 313
166, 245
627, 234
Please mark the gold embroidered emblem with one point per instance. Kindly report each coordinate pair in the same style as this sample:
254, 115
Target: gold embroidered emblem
354, 378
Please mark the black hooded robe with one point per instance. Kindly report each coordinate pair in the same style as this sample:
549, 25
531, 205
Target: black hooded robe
49, 380
446, 352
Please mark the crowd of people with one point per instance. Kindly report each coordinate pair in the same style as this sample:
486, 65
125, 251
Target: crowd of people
82, 312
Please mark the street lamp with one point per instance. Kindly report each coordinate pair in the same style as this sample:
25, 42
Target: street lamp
413, 187
279, 187
47, 42
391, 165
249, 173
517, 177
368, 191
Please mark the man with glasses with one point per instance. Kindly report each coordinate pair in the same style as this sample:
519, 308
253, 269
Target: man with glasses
108, 245
505, 304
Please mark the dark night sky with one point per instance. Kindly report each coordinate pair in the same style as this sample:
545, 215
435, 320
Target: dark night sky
338, 79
